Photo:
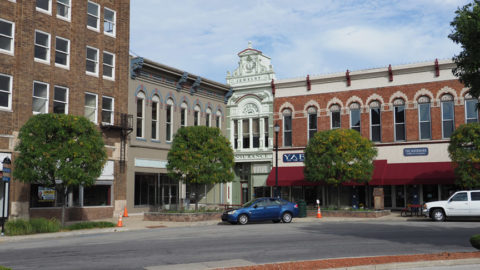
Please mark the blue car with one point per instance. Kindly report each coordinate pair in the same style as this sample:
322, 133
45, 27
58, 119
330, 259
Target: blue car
275, 209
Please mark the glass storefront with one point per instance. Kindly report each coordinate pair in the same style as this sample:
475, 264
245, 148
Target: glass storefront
158, 190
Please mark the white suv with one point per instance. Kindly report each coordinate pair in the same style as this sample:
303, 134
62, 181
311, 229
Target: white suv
464, 203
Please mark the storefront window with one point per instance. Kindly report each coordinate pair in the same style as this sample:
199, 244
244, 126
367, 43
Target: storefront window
259, 192
145, 189
430, 193
98, 195
42, 196
387, 192
399, 196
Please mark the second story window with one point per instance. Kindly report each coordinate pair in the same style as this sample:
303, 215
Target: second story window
424, 118
93, 16
42, 47
44, 6
287, 127
63, 9
155, 116
168, 121
91, 107
60, 100
312, 122
196, 116
6, 36
399, 119
5, 92
471, 111
256, 132
40, 97
335, 116
246, 133
235, 134
62, 52
218, 119
92, 61
266, 132
140, 114
448, 123
375, 122
108, 65
109, 22
183, 114
107, 110
208, 117
355, 116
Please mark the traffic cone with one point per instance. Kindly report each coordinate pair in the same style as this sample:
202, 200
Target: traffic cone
319, 213
125, 212
119, 223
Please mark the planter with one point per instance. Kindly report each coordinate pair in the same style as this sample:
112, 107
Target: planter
346, 213
181, 217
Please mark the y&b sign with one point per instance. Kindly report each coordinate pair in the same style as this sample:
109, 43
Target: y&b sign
297, 157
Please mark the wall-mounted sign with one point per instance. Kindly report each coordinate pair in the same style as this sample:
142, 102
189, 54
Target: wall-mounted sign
296, 157
46, 194
421, 151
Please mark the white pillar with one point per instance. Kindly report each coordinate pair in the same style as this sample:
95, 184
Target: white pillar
250, 132
240, 134
262, 132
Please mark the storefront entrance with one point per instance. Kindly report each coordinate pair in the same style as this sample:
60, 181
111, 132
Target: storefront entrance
155, 191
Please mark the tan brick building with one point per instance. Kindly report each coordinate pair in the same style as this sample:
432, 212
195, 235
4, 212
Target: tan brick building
64, 56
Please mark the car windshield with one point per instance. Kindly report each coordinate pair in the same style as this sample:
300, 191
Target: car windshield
248, 204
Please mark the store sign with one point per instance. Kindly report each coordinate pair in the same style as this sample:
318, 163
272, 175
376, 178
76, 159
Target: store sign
422, 151
46, 194
297, 157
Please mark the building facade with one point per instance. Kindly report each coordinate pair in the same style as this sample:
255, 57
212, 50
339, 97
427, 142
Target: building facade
250, 124
64, 56
408, 111
162, 100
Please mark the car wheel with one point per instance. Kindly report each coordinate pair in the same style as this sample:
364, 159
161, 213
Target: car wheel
243, 219
287, 217
438, 215
276, 220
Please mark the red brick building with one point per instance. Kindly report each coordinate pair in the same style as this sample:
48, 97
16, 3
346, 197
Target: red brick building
408, 111
64, 56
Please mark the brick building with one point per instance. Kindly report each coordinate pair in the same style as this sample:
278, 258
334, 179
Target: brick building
408, 111
64, 56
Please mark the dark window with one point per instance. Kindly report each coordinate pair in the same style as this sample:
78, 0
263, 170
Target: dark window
256, 132
475, 196
98, 195
399, 123
447, 119
246, 133
312, 122
355, 119
287, 128
335, 119
425, 121
375, 122
460, 197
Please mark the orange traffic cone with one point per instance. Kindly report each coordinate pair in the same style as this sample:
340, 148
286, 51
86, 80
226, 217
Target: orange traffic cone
319, 213
119, 223
125, 212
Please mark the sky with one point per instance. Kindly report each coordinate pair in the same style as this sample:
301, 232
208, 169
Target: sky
301, 37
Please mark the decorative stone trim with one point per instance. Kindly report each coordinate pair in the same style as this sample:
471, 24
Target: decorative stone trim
286, 105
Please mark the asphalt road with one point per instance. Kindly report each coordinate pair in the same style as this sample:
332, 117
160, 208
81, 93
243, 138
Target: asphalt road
257, 243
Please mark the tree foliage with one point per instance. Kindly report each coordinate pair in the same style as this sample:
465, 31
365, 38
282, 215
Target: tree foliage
464, 150
338, 156
200, 155
466, 31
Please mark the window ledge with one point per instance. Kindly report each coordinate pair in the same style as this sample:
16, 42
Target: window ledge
91, 74
11, 53
93, 29
45, 62
62, 66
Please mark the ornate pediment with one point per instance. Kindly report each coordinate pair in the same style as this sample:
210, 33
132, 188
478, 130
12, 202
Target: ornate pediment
250, 108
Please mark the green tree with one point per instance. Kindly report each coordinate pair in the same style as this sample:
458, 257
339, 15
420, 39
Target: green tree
466, 31
339, 156
464, 150
200, 155
59, 147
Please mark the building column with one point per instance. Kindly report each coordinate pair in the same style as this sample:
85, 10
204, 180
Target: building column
250, 132
262, 132
240, 134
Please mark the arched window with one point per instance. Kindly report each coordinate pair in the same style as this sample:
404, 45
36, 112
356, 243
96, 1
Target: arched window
287, 127
375, 122
183, 114
335, 116
196, 116
471, 112
140, 114
448, 115
312, 122
155, 116
355, 116
424, 118
208, 117
399, 119
218, 119
169, 120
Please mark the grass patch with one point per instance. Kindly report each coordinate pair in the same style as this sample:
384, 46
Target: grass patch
89, 225
35, 225
41, 225
4, 268
475, 241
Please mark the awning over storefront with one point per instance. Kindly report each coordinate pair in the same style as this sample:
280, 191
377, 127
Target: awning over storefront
426, 173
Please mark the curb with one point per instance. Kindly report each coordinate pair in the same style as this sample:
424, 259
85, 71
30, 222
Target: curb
409, 265
5, 239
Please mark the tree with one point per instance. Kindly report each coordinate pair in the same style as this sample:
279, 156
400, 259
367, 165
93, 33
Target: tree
200, 155
466, 31
339, 156
59, 147
464, 150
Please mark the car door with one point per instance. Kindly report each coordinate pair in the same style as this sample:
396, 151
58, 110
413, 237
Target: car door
258, 210
273, 208
458, 205
475, 203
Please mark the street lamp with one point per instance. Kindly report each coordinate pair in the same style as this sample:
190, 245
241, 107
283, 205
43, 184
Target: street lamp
276, 128
6, 186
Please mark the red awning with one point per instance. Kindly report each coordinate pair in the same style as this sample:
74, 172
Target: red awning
288, 176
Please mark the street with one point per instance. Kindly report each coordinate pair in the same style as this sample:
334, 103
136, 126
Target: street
257, 243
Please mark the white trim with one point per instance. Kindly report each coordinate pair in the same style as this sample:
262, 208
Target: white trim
156, 103
359, 118
404, 124
67, 66
208, 117
9, 91
169, 106
371, 122
48, 47
95, 108
196, 114
12, 42
49, 11
59, 101
465, 109
114, 22
46, 99
420, 121
69, 12
184, 108
111, 111
96, 61
96, 29
308, 120
106, 64
453, 116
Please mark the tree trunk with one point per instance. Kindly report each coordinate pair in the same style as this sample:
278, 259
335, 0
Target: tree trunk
65, 195
338, 196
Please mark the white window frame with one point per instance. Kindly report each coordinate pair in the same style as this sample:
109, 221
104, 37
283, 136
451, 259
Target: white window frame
44, 61
95, 108
42, 98
445, 120
308, 121
155, 122
108, 65
8, 91
61, 101
218, 119
375, 125
285, 131
110, 111
467, 99
69, 10
335, 110
67, 66
12, 39
420, 105
96, 29
114, 23
359, 111
95, 61
208, 117
140, 96
169, 114
196, 116
49, 11
184, 113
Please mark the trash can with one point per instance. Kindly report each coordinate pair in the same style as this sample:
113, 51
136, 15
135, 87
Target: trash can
302, 208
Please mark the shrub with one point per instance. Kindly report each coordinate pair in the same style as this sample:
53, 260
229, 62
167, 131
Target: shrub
90, 225
475, 241
41, 225
18, 227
